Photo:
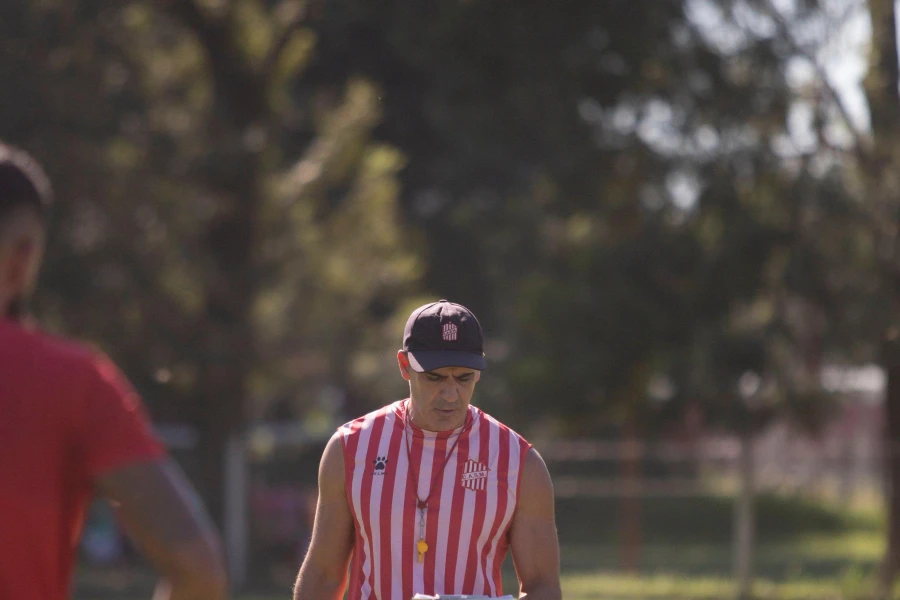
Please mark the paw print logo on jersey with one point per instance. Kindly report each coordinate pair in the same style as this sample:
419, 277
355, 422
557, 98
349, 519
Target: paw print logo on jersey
380, 464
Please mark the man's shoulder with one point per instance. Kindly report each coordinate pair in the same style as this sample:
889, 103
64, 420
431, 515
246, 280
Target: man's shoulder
47, 373
49, 351
367, 421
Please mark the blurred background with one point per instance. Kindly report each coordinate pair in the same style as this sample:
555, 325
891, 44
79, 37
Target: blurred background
677, 221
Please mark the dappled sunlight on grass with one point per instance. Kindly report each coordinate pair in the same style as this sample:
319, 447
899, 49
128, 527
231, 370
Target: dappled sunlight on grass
673, 587
813, 555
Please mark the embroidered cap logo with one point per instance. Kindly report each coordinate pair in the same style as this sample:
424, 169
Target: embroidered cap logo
450, 330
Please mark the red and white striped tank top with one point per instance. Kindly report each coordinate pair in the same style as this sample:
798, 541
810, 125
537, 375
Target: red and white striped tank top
468, 516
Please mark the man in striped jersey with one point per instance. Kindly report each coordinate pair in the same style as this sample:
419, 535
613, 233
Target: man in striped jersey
427, 495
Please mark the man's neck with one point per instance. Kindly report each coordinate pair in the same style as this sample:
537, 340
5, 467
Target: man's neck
15, 310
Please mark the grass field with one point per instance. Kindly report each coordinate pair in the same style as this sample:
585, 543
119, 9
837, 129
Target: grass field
599, 586
806, 551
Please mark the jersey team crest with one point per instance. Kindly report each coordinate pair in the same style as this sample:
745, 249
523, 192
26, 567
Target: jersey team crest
474, 475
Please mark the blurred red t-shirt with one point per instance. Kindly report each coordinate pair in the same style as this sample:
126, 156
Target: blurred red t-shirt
67, 415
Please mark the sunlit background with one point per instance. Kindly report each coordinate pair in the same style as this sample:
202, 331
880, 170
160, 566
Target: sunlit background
677, 221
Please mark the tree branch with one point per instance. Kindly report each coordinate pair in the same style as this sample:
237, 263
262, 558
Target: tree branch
240, 88
358, 114
861, 143
190, 15
295, 18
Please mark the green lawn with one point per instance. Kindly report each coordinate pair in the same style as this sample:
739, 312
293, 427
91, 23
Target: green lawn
814, 568
806, 550
668, 587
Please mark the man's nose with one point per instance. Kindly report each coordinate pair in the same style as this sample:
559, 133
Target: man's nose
450, 392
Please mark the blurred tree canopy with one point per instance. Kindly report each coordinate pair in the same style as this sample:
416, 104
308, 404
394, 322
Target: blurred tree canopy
599, 182
221, 236
254, 193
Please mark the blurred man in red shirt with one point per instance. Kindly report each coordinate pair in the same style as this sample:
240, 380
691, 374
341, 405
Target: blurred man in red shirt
71, 426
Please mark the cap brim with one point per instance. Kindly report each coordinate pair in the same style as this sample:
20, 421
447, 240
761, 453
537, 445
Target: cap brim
429, 360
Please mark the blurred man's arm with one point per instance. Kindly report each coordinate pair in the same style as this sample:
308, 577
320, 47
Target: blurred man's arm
533, 539
322, 576
165, 518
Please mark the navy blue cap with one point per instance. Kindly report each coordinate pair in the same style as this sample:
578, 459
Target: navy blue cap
443, 334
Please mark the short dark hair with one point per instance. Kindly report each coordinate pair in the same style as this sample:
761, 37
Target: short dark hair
23, 183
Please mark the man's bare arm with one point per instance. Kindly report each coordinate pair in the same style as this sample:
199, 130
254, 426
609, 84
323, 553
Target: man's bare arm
324, 570
163, 515
533, 539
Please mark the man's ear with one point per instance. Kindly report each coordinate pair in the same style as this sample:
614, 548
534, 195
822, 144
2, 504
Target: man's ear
477, 376
19, 265
403, 363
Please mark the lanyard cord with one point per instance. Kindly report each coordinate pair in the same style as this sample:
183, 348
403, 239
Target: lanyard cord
423, 504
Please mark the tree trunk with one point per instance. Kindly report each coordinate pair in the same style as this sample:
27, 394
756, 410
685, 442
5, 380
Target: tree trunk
233, 173
744, 519
222, 389
891, 444
882, 79
881, 86
230, 343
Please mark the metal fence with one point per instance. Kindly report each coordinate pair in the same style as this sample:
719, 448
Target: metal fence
271, 489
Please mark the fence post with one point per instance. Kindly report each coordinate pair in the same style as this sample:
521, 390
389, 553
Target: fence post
236, 509
744, 518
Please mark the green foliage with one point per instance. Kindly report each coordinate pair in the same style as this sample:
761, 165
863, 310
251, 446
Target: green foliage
253, 194
159, 153
210, 218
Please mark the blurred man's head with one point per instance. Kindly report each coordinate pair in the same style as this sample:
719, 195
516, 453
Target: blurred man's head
25, 195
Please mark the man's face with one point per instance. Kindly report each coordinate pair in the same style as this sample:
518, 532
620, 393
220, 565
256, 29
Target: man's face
439, 399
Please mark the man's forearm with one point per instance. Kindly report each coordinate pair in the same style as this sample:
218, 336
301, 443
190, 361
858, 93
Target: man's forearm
313, 585
548, 591
168, 589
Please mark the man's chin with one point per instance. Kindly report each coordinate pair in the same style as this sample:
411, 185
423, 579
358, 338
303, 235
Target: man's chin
449, 418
